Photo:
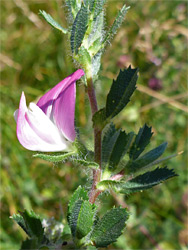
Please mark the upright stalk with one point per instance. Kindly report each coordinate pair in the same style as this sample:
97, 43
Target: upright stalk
97, 142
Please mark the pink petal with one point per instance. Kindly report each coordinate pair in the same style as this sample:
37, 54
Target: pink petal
59, 104
35, 131
64, 112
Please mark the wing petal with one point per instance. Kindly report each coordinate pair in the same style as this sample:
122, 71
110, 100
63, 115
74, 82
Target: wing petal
35, 131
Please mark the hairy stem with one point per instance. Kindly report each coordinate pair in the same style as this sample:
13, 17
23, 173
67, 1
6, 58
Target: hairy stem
97, 141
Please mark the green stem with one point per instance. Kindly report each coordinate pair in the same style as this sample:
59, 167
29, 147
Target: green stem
97, 141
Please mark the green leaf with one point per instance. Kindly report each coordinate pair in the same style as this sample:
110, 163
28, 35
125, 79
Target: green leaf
146, 181
85, 163
66, 235
80, 213
139, 183
52, 22
147, 158
85, 219
160, 160
33, 224
141, 141
99, 119
83, 57
109, 139
115, 144
96, 31
81, 148
30, 244
96, 64
108, 184
72, 157
95, 46
120, 148
79, 28
117, 23
121, 90
73, 6
91, 248
73, 216
79, 194
55, 158
81, 218
109, 228
96, 27
98, 7
20, 221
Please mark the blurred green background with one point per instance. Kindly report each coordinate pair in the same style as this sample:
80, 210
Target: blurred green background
34, 58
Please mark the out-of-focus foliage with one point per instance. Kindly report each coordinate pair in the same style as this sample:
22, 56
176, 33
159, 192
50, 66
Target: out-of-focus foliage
34, 58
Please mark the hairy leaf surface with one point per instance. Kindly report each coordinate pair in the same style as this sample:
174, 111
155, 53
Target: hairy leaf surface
110, 227
117, 23
141, 141
121, 90
147, 180
79, 28
52, 22
147, 158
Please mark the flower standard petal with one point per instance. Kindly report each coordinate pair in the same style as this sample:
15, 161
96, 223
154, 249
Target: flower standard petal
59, 104
33, 134
64, 112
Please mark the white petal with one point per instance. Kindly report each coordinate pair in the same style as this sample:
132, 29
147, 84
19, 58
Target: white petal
36, 132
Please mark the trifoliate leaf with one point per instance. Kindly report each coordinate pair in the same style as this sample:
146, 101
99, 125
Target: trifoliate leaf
79, 28
146, 159
117, 23
142, 139
146, 181
121, 90
139, 183
109, 228
52, 22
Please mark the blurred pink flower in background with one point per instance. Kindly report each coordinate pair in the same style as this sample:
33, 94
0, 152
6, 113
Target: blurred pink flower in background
123, 61
155, 83
48, 126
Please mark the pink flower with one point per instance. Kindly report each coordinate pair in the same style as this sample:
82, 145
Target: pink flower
48, 126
